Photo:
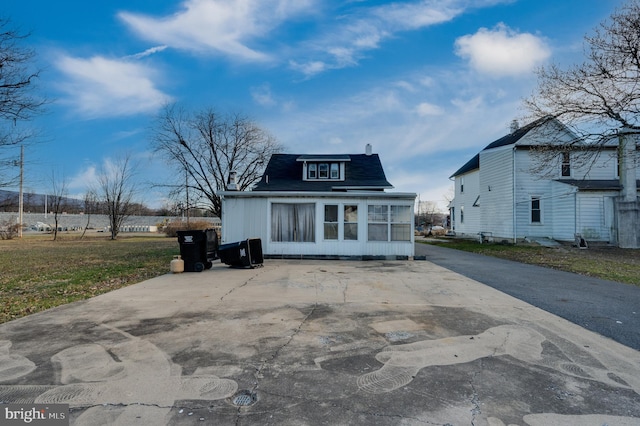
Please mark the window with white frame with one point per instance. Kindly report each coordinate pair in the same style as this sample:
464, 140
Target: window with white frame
536, 210
350, 222
331, 222
389, 223
312, 171
461, 214
293, 222
400, 223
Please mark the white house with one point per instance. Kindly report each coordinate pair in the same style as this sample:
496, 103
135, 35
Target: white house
322, 206
505, 193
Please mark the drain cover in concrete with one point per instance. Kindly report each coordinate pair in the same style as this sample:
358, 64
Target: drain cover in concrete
244, 398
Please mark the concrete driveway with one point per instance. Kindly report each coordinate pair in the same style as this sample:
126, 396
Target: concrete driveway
317, 342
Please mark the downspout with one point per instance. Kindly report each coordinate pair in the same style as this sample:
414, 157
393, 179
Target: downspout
513, 195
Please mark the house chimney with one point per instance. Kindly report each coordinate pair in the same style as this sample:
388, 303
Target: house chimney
367, 149
232, 185
514, 126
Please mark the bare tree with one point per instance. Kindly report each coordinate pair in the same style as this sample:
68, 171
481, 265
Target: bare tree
57, 199
116, 188
596, 98
90, 201
205, 147
17, 100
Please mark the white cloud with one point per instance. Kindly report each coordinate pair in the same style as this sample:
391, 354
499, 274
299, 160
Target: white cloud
364, 28
220, 26
262, 95
425, 108
85, 179
502, 51
99, 86
147, 52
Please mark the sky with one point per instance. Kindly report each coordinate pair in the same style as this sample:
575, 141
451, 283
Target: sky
428, 83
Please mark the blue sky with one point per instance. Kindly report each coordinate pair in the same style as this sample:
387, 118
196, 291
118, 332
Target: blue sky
427, 83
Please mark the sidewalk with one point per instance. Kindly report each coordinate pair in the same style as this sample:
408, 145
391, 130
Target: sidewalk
317, 342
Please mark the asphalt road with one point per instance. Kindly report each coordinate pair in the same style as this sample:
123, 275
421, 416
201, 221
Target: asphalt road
609, 308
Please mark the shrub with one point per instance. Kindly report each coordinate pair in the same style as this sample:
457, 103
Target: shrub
172, 228
9, 229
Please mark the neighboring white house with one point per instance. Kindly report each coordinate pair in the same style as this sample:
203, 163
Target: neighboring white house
504, 193
323, 206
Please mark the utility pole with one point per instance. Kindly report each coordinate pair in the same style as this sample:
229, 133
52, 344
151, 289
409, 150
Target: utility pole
20, 200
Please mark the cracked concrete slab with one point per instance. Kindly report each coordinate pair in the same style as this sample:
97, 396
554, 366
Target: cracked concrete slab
317, 342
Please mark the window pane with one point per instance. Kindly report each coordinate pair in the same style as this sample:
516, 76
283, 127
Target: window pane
323, 170
330, 231
400, 214
377, 232
331, 213
312, 171
335, 171
350, 213
400, 232
351, 231
377, 214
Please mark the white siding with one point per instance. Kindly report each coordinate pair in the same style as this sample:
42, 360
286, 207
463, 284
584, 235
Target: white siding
563, 211
496, 192
243, 218
591, 217
248, 217
466, 199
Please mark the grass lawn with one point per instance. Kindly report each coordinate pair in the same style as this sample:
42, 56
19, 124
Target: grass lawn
37, 273
609, 263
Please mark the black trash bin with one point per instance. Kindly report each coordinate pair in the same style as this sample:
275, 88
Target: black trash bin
242, 253
198, 249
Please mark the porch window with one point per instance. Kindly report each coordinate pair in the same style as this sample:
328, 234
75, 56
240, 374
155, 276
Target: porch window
378, 219
536, 211
293, 222
389, 223
400, 223
351, 222
331, 222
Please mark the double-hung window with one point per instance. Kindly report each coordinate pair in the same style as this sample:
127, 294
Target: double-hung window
389, 223
536, 210
331, 222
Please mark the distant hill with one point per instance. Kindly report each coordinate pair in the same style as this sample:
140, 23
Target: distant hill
32, 201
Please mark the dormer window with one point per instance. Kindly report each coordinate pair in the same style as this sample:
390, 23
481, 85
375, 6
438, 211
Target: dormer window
329, 171
335, 171
312, 171
324, 167
323, 171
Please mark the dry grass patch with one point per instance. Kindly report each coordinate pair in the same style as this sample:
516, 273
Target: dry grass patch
38, 273
601, 261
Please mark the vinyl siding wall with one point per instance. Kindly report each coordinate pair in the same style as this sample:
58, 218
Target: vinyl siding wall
496, 192
465, 200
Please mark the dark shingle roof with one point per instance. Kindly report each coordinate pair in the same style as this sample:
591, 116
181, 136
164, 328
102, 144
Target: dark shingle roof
509, 139
472, 164
284, 173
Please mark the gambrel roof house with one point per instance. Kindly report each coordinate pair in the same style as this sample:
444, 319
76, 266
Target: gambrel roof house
322, 206
504, 193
